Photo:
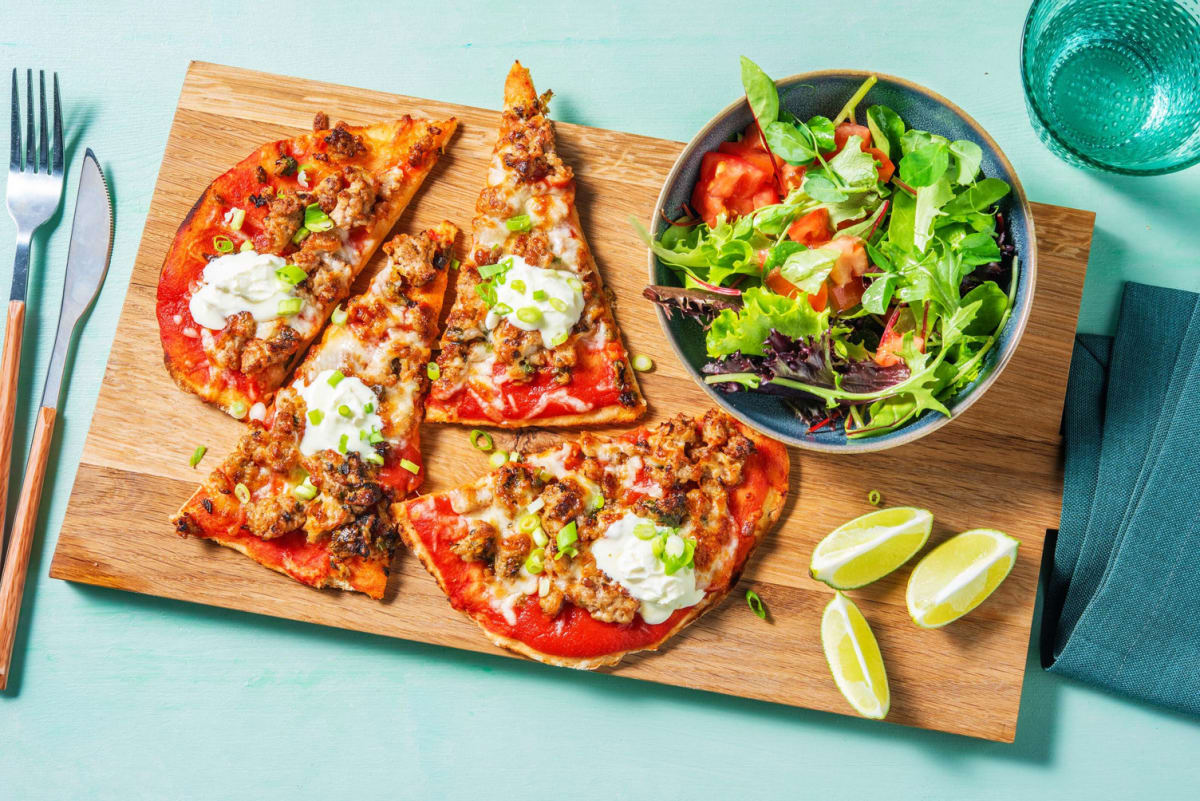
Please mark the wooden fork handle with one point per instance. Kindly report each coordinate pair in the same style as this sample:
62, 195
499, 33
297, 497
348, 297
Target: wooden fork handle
16, 561
10, 368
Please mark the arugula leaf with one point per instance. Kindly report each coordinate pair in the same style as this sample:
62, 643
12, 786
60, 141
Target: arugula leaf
967, 158
979, 248
760, 93
927, 206
925, 165
879, 293
978, 197
808, 269
993, 304
746, 331
902, 226
914, 140
886, 128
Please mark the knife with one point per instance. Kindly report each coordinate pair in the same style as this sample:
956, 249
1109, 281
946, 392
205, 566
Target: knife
87, 263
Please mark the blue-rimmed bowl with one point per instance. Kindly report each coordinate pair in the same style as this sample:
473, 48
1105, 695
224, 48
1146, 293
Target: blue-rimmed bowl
824, 93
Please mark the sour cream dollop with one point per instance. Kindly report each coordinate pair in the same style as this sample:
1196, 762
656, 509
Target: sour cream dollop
630, 561
328, 395
238, 282
537, 299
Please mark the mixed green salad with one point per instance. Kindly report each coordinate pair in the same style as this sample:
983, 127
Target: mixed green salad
860, 271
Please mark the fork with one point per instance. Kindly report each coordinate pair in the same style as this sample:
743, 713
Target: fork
35, 188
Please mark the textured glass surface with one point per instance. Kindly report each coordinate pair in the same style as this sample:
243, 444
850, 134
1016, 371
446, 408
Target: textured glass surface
1115, 84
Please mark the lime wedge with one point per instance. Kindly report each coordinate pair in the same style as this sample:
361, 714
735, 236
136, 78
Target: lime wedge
854, 658
869, 547
956, 576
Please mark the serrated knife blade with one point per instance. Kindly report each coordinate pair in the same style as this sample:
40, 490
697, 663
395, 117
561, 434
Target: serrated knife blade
87, 264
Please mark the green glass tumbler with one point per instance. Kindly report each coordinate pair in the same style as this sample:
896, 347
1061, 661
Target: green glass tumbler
1114, 85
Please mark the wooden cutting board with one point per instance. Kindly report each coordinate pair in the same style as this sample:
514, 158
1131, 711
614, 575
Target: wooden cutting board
997, 466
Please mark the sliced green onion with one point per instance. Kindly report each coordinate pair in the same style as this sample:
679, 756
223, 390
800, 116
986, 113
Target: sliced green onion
538, 294
756, 604
315, 416
645, 531
480, 440
339, 316
290, 274
454, 264
300, 235
656, 547
529, 314
545, 476
536, 561
433, 371
498, 459
558, 304
567, 536
197, 455
375, 438
515, 456
643, 363
290, 306
315, 219
527, 522
874, 498
502, 309
237, 409
363, 434
575, 283
305, 491
247, 245
539, 537
558, 340
223, 244
411, 467
597, 503
488, 270
336, 378
370, 407
375, 458
521, 222
519, 286
343, 443
344, 411
486, 293
242, 492
236, 219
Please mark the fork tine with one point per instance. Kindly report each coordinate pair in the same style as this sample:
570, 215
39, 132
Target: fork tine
44, 134
14, 159
30, 142
58, 132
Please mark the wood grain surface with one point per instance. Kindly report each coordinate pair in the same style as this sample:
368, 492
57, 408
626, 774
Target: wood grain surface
997, 466
10, 371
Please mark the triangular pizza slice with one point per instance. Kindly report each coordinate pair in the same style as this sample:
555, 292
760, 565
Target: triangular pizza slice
531, 339
307, 491
272, 247
594, 549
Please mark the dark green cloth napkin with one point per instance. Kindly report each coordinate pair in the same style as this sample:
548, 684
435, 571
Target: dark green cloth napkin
1122, 602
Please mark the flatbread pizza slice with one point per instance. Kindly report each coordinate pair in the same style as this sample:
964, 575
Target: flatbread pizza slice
531, 339
307, 491
273, 246
598, 548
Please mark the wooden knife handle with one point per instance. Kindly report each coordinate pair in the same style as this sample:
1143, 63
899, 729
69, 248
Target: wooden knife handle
16, 561
10, 369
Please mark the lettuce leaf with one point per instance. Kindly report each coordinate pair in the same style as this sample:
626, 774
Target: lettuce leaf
746, 330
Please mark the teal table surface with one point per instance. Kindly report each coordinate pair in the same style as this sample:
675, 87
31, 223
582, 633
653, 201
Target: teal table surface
126, 697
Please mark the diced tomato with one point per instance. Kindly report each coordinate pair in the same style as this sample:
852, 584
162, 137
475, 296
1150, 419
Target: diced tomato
886, 167
889, 344
852, 263
812, 229
843, 132
727, 184
749, 151
847, 295
793, 176
781, 286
